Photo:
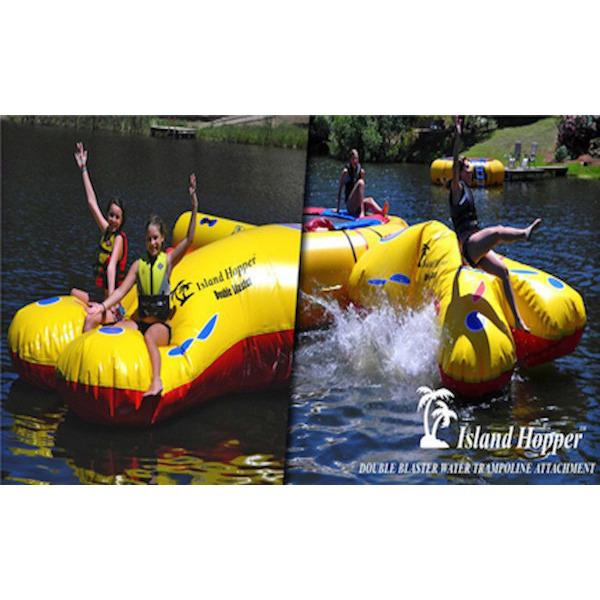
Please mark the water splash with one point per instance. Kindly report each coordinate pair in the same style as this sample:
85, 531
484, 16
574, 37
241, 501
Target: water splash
383, 347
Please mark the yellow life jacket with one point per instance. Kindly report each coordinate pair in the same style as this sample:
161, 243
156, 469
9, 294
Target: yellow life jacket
153, 287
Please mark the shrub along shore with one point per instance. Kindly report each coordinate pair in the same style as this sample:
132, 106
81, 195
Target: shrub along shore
278, 132
422, 139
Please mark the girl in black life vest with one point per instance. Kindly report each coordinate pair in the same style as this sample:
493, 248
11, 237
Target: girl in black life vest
112, 253
477, 244
352, 183
151, 273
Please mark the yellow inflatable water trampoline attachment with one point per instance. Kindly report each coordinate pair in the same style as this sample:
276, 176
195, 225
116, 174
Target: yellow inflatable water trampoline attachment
479, 346
232, 330
486, 171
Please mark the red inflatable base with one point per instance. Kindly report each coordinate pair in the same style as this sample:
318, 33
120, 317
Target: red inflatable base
252, 364
481, 388
43, 376
532, 350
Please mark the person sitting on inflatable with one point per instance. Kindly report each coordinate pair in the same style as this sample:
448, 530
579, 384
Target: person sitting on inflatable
151, 272
112, 257
477, 244
352, 181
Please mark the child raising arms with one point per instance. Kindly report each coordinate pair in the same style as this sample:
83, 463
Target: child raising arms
151, 274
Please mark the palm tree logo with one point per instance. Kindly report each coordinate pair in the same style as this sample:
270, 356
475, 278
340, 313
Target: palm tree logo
441, 415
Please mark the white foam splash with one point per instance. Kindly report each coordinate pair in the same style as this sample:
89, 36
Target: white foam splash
382, 347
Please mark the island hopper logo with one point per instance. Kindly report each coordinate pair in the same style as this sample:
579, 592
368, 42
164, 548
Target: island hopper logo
438, 415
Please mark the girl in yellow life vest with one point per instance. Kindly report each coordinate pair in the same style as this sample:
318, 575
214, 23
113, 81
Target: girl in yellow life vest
112, 256
151, 273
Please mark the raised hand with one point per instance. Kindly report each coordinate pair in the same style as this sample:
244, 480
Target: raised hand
80, 155
192, 189
459, 124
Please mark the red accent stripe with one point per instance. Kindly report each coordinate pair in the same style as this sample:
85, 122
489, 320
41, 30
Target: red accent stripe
41, 375
533, 350
481, 388
313, 210
252, 364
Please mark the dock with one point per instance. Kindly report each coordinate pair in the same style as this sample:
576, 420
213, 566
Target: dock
172, 131
534, 173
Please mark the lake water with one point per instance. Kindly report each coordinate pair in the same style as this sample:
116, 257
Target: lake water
354, 400
49, 242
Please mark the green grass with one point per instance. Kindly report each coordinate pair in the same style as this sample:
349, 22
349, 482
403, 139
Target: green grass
284, 135
577, 170
501, 145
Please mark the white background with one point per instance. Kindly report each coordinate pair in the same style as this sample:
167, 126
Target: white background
299, 542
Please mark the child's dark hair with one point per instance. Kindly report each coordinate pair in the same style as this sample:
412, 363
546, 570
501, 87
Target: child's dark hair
117, 202
158, 222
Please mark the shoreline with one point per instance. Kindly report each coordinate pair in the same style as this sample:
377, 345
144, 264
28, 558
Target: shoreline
278, 132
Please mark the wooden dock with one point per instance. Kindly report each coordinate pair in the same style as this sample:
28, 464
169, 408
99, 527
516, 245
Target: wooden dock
172, 131
534, 173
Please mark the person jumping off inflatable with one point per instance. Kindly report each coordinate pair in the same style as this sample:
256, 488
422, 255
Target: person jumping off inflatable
477, 244
151, 273
112, 255
352, 181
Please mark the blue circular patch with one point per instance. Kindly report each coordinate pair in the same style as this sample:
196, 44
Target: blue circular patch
377, 281
47, 301
400, 278
557, 283
523, 271
473, 321
111, 330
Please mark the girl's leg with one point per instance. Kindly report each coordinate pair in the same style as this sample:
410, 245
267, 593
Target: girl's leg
81, 295
481, 242
92, 321
492, 263
374, 207
155, 336
356, 198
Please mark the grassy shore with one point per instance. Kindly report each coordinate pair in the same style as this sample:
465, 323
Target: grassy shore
280, 134
136, 125
284, 135
501, 145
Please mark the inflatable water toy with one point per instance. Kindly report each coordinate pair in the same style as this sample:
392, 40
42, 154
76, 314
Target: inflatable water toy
479, 345
233, 330
332, 243
486, 171
377, 259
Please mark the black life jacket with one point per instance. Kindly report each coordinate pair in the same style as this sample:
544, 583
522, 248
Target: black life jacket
463, 213
153, 287
353, 177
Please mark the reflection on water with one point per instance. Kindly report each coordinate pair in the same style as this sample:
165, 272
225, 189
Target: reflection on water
355, 398
49, 242
222, 442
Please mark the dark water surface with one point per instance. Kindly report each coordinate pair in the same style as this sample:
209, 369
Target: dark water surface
355, 399
49, 242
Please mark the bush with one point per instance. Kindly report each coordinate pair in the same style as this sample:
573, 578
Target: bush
384, 139
561, 154
575, 133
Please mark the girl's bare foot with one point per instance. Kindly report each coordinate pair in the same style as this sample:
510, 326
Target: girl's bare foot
155, 389
532, 228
